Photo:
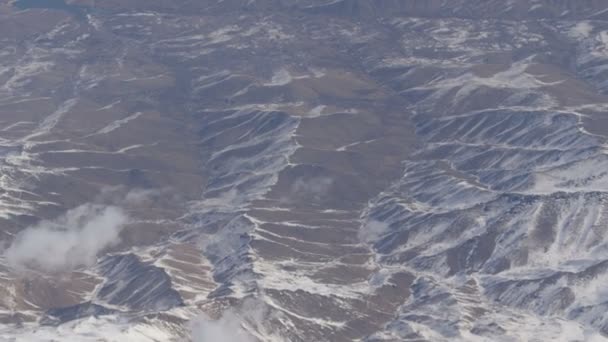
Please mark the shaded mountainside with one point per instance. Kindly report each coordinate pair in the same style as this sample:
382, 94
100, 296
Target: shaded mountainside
304, 170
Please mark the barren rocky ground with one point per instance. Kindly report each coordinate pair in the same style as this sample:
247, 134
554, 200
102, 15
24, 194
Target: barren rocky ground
303, 170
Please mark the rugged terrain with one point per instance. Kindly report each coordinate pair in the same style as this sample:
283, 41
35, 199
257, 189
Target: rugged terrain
304, 170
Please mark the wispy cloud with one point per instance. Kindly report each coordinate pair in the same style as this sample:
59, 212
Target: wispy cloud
71, 240
315, 188
77, 237
236, 324
226, 329
372, 230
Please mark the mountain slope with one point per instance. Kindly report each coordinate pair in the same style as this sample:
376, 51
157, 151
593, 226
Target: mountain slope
303, 170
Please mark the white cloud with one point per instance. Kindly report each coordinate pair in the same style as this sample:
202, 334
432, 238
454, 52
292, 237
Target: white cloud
124, 197
73, 239
280, 78
226, 329
372, 230
230, 327
315, 188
